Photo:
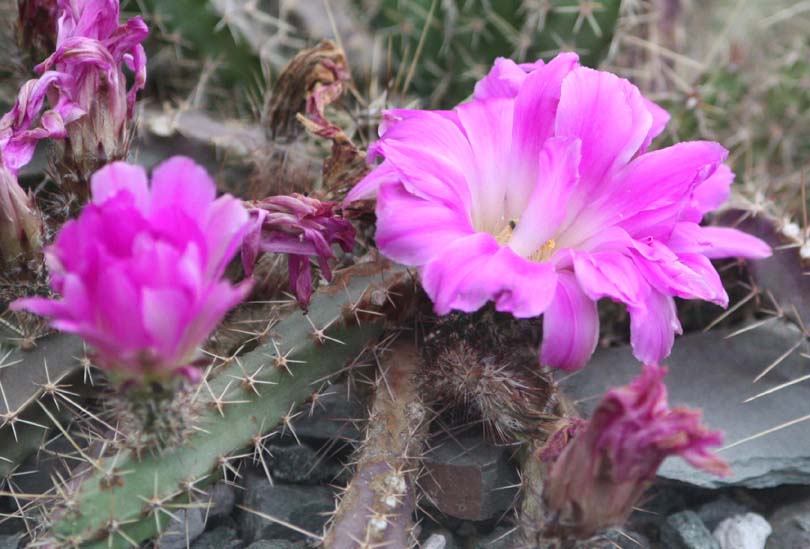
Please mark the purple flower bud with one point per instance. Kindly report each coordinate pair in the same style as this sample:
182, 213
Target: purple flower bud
301, 227
601, 473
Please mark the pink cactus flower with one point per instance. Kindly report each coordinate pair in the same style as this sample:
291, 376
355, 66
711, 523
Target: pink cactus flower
91, 50
301, 227
539, 194
140, 271
603, 471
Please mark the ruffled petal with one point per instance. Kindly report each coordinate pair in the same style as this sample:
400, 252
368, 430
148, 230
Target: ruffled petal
414, 230
476, 269
368, 187
433, 158
488, 126
121, 177
653, 325
505, 79
179, 182
609, 115
547, 205
610, 274
570, 326
717, 242
660, 118
535, 114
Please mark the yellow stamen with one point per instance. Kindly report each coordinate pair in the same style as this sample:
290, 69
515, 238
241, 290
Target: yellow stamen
545, 252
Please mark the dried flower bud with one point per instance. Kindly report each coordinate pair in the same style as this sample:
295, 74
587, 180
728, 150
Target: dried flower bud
301, 227
20, 223
601, 473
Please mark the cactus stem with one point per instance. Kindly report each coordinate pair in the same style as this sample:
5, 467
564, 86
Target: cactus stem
376, 508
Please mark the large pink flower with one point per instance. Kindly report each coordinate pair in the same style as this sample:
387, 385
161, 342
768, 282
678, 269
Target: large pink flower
539, 195
600, 473
140, 271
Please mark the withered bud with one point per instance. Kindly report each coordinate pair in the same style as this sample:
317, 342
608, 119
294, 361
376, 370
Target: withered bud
601, 473
311, 80
20, 223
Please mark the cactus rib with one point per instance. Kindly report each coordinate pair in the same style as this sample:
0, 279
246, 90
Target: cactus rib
112, 506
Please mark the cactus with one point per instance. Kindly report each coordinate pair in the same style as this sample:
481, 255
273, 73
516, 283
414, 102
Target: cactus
122, 497
378, 504
443, 47
27, 377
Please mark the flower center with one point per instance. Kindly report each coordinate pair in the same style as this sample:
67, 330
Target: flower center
542, 253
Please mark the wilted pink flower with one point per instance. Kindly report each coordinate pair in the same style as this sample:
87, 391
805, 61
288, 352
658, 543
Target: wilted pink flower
301, 227
605, 468
20, 130
91, 50
25, 124
140, 270
539, 195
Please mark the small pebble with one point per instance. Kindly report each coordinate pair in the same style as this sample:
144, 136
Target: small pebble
748, 531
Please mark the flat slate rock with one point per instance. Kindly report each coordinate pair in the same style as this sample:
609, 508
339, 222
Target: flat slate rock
716, 374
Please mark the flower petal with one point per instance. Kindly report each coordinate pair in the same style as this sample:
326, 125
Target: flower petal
717, 242
488, 126
608, 114
535, 114
546, 208
413, 230
476, 269
121, 177
570, 326
653, 325
179, 182
504, 79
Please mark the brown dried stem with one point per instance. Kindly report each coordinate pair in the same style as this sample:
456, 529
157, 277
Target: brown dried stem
377, 508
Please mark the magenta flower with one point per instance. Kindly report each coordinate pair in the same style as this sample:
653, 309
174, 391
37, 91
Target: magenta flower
91, 51
539, 195
601, 473
140, 272
301, 227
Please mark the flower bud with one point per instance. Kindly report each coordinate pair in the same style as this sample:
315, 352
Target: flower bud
604, 469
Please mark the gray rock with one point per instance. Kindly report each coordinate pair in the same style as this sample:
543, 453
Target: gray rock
501, 538
748, 531
9, 542
222, 498
218, 538
179, 534
439, 539
273, 544
467, 477
300, 464
713, 373
791, 527
307, 507
334, 416
685, 530
715, 512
